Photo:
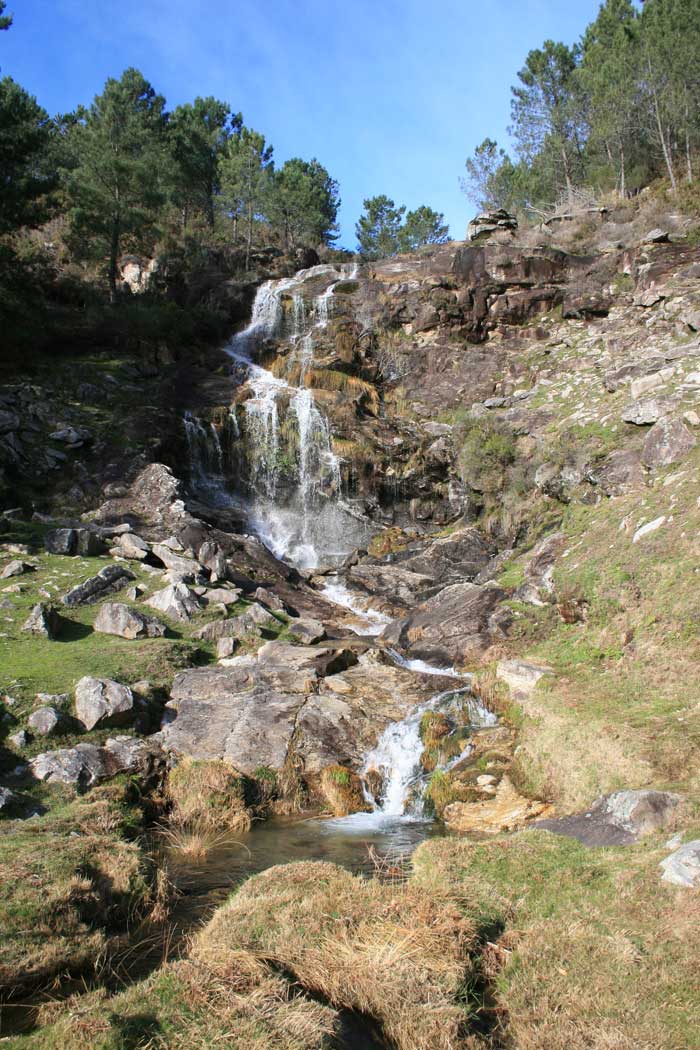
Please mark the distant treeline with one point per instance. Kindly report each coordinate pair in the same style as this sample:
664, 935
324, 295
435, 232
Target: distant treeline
614, 111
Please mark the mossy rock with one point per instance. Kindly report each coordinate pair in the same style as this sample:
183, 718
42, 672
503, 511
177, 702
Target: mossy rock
342, 791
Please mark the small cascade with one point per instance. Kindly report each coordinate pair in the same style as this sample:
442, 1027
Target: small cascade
398, 752
205, 453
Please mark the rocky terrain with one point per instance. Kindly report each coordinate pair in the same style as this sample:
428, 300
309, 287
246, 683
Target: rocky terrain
515, 421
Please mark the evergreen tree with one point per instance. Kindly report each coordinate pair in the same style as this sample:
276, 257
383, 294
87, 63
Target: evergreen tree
609, 78
493, 181
199, 132
422, 226
5, 20
117, 181
546, 113
246, 170
670, 42
303, 203
25, 131
377, 229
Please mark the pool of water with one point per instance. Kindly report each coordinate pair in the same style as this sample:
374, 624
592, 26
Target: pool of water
357, 843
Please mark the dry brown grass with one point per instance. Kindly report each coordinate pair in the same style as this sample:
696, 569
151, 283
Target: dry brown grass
235, 1003
207, 795
397, 954
68, 882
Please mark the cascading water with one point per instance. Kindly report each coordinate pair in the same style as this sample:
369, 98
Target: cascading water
293, 474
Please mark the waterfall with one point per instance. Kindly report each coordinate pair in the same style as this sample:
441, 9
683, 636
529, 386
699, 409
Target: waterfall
292, 473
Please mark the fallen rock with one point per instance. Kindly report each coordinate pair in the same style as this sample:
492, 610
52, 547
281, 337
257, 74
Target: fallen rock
85, 765
176, 601
682, 868
212, 558
651, 526
504, 812
18, 739
618, 819
307, 631
125, 622
225, 648
44, 721
656, 236
7, 799
400, 585
43, 621
184, 568
82, 766
16, 568
268, 599
668, 441
101, 701
111, 578
131, 546
644, 413
61, 541
223, 596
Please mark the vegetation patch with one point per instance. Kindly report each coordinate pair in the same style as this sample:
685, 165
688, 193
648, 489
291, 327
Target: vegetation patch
70, 879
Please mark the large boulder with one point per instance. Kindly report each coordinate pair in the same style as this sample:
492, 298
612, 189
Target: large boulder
122, 620
618, 819
177, 601
111, 578
103, 702
85, 765
668, 442
459, 556
456, 625
322, 707
400, 585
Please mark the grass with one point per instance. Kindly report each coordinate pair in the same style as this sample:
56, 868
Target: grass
341, 790
239, 1004
396, 954
207, 795
596, 953
622, 708
70, 879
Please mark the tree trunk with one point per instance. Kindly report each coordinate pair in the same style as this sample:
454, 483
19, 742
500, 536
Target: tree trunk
249, 241
113, 259
688, 158
623, 180
567, 174
665, 147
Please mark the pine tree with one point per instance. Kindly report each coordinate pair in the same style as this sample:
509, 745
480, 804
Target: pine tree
5, 20
377, 229
246, 170
303, 203
117, 181
422, 226
25, 131
199, 132
609, 78
546, 114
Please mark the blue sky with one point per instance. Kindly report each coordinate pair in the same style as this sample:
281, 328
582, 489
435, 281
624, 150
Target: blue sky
390, 95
